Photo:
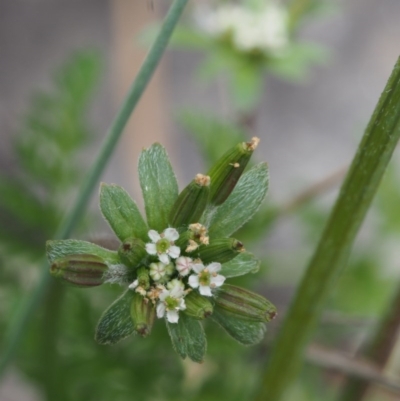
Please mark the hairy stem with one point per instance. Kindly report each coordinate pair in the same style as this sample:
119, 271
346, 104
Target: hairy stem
329, 259
16, 328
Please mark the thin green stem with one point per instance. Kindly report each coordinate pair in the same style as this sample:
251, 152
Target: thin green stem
378, 351
16, 328
357, 192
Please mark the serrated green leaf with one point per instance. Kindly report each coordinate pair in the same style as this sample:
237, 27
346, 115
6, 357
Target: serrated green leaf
188, 338
240, 265
243, 331
116, 323
60, 248
159, 185
242, 203
122, 213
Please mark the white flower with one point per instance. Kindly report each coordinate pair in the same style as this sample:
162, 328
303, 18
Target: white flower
163, 245
157, 271
184, 265
134, 284
176, 283
250, 29
206, 278
171, 302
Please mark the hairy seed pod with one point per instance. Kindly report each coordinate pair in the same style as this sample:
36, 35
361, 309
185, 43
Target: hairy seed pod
191, 202
143, 278
132, 251
227, 170
220, 250
244, 304
81, 270
142, 314
197, 306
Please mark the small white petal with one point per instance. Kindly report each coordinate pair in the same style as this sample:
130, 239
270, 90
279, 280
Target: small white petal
183, 265
194, 281
177, 291
164, 258
205, 290
154, 235
164, 294
182, 304
160, 310
217, 280
214, 267
172, 316
174, 251
171, 234
133, 285
198, 267
151, 249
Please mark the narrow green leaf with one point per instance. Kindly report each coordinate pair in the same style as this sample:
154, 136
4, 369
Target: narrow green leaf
59, 248
116, 323
122, 213
242, 264
242, 203
159, 185
188, 338
243, 331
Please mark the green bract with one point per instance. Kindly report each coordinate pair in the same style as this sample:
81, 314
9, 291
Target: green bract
175, 265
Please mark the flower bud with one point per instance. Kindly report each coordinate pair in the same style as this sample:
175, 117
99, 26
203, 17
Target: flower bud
197, 306
143, 278
143, 314
82, 270
244, 304
227, 170
191, 202
132, 251
220, 250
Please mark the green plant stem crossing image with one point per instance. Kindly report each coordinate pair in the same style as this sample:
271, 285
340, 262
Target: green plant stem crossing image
228, 229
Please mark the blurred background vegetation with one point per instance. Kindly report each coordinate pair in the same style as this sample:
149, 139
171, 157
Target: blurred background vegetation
308, 107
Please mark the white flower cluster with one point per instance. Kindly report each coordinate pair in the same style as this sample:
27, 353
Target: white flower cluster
264, 30
167, 292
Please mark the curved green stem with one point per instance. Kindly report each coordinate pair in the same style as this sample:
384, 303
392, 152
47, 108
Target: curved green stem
17, 326
357, 192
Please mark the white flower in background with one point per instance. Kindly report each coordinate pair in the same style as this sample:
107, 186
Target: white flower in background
264, 29
171, 302
184, 265
163, 245
206, 278
157, 271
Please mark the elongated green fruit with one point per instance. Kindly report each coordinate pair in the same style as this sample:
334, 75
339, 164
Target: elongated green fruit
142, 314
191, 202
81, 270
221, 250
197, 306
245, 304
143, 278
226, 171
132, 251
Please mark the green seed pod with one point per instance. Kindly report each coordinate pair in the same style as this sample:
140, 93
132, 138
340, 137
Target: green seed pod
244, 304
143, 278
142, 314
227, 170
197, 306
82, 270
220, 250
191, 202
132, 251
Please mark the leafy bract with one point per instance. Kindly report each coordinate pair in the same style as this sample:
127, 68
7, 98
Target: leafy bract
159, 186
242, 264
59, 248
242, 203
188, 338
116, 323
122, 213
243, 331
